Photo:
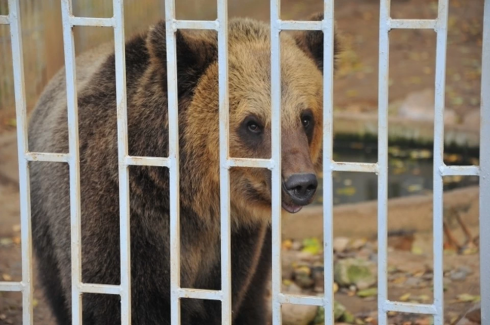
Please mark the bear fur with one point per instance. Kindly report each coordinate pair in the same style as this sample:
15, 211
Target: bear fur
249, 101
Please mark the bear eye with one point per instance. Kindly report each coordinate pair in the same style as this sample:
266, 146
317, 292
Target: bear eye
253, 127
306, 120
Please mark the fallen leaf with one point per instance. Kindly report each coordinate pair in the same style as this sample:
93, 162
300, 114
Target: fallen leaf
6, 277
466, 297
367, 292
405, 297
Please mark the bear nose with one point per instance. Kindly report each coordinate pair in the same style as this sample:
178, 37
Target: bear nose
301, 187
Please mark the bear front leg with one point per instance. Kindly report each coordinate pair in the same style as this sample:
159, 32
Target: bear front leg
254, 309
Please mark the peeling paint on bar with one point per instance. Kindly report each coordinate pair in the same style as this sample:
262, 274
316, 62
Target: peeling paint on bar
355, 167
43, 156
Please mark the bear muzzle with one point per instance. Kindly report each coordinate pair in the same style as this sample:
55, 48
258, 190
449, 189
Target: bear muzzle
298, 191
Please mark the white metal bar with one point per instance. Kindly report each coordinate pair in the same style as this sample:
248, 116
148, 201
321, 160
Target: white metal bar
173, 156
195, 24
438, 205
44, 156
24, 179
74, 162
100, 288
89, 21
305, 300
412, 23
4, 20
300, 25
200, 294
224, 140
11, 286
459, 170
403, 307
328, 164
146, 161
251, 163
384, 48
122, 144
355, 167
485, 170
276, 158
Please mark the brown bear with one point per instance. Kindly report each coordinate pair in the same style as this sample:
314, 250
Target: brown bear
250, 129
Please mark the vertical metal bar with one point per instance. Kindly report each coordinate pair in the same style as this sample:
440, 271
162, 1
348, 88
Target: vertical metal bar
173, 156
276, 158
122, 143
384, 62
485, 170
74, 161
440, 81
24, 183
224, 122
328, 66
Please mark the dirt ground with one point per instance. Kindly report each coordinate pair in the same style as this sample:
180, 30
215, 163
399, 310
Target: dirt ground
412, 61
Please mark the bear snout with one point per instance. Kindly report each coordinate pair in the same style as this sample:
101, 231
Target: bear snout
301, 187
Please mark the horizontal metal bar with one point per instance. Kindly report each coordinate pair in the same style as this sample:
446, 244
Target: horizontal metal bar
100, 288
412, 24
404, 307
89, 21
252, 163
147, 161
300, 25
459, 170
4, 20
200, 294
300, 300
196, 24
11, 286
355, 167
45, 156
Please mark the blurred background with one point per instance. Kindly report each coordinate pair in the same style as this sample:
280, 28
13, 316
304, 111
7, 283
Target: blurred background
411, 98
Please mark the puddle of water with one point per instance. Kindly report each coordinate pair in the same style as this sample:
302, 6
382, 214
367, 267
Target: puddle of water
407, 176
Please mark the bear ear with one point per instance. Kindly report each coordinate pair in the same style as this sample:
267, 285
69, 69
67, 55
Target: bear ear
195, 51
311, 42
